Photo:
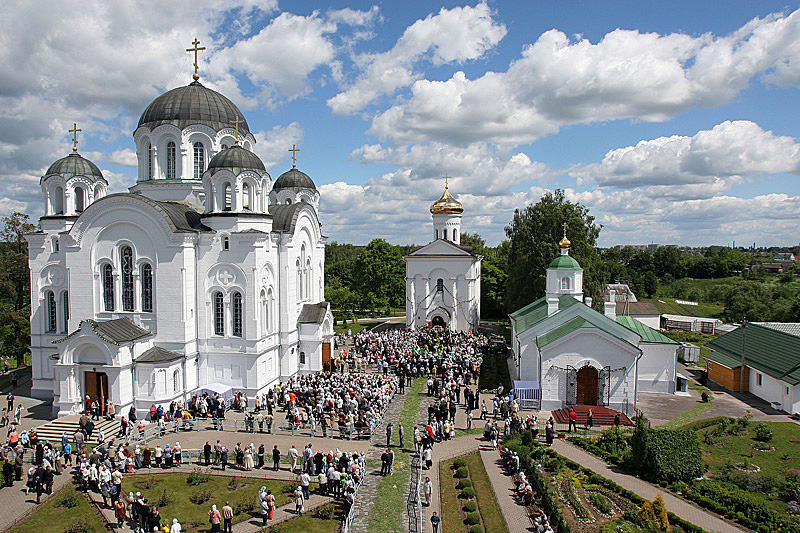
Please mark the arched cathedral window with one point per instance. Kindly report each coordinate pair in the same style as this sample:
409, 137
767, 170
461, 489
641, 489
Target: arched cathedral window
80, 199
299, 280
455, 235
149, 161
58, 201
52, 322
108, 287
126, 255
440, 285
176, 381
199, 160
65, 311
264, 312
219, 314
146, 279
227, 195
246, 196
270, 309
237, 314
170, 160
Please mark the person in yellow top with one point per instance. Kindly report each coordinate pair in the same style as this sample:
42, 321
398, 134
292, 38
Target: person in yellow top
188, 421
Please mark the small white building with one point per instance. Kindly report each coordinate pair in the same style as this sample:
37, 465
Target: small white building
206, 272
443, 278
581, 356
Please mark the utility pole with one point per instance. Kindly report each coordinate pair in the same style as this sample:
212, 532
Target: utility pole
741, 373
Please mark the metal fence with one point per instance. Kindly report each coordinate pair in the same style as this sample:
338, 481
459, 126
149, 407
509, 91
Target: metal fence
416, 516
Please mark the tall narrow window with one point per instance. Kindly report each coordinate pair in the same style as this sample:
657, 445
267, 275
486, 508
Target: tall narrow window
170, 160
228, 199
176, 381
199, 160
127, 278
246, 196
55, 245
58, 201
149, 161
440, 285
237, 315
52, 322
565, 283
108, 287
299, 280
264, 313
146, 280
65, 311
308, 278
270, 309
219, 314
80, 199
302, 358
455, 235
226, 243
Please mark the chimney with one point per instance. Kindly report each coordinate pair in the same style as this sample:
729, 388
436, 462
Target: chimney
588, 301
610, 307
552, 305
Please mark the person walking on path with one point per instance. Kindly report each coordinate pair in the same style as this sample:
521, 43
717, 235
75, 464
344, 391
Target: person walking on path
401, 434
590, 418
293, 455
435, 521
573, 420
264, 510
227, 518
389, 435
214, 517
428, 491
299, 500
276, 458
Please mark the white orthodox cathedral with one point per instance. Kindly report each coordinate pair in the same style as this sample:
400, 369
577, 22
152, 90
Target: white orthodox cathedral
206, 275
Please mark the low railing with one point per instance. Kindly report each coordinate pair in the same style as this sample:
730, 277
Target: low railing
416, 516
348, 520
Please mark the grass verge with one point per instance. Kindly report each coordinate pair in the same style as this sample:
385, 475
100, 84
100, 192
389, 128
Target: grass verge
449, 512
387, 511
54, 516
491, 514
317, 521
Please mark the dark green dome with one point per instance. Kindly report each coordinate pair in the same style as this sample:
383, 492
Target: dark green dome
236, 159
74, 165
193, 104
294, 179
565, 262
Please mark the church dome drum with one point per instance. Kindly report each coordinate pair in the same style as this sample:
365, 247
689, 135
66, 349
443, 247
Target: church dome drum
74, 165
193, 104
237, 160
294, 179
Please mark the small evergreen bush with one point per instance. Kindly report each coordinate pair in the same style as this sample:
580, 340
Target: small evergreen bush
461, 473
476, 529
473, 519
763, 432
458, 463
463, 484
467, 494
470, 507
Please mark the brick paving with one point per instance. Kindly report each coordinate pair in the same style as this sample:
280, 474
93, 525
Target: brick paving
16, 505
681, 508
515, 514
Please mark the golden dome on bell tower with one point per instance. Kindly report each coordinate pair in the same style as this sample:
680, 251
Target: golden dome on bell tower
564, 244
446, 205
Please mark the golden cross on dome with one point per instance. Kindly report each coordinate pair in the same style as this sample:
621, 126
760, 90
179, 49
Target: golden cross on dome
565, 229
294, 156
74, 131
236, 128
196, 49
446, 178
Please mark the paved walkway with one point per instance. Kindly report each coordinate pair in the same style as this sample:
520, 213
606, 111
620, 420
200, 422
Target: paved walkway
16, 505
680, 507
515, 515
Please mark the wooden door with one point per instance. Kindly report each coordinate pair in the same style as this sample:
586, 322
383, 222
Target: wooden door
90, 380
587, 386
96, 384
326, 353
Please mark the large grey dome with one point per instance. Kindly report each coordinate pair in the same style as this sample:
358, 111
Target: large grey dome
236, 159
294, 179
74, 165
193, 104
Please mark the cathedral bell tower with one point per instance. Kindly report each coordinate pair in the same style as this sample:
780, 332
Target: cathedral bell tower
446, 213
564, 276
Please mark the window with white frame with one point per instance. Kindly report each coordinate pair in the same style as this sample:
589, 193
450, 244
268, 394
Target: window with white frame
126, 260
237, 314
758, 379
149, 161
52, 320
146, 280
565, 283
171, 160
176, 381
199, 160
219, 313
108, 287
65, 311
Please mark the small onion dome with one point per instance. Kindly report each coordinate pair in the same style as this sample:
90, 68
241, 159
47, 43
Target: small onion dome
565, 262
294, 179
237, 160
193, 104
446, 205
74, 165
564, 243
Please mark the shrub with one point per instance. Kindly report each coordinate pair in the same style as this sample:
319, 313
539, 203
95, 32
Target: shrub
646, 517
527, 438
600, 502
81, 525
327, 512
476, 529
744, 421
667, 454
736, 430
244, 505
463, 484
196, 477
200, 497
763, 432
660, 511
704, 423
467, 494
69, 501
234, 484
551, 464
470, 507
164, 499
473, 519
461, 473
458, 463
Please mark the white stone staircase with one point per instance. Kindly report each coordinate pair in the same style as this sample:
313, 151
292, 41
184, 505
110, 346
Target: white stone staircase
52, 430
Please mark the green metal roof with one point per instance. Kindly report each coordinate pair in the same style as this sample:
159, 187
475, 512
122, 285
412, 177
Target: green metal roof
562, 330
74, 165
648, 334
294, 179
237, 160
564, 262
535, 312
767, 350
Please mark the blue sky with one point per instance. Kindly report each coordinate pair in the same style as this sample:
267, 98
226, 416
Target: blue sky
673, 122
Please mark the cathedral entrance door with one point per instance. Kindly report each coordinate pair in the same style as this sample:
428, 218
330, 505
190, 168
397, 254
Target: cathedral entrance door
587, 385
97, 387
438, 321
326, 355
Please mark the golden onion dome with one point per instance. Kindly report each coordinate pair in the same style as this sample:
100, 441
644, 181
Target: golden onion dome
446, 205
564, 243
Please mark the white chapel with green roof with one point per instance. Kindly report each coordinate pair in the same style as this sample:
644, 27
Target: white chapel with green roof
580, 356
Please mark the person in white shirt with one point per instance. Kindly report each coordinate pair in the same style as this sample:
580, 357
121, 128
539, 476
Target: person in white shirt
305, 482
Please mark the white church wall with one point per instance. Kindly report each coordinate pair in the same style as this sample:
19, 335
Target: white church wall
651, 321
657, 368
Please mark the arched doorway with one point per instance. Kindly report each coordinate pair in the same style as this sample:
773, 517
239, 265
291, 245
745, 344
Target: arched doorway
587, 385
438, 321
97, 388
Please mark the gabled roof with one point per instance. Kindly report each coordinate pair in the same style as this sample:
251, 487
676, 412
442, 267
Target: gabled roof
443, 247
116, 331
313, 313
158, 355
637, 308
767, 350
792, 328
533, 313
562, 330
648, 334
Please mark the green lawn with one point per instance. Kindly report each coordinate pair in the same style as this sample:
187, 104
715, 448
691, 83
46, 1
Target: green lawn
702, 309
387, 511
449, 502
323, 520
55, 516
739, 448
242, 493
491, 514
354, 328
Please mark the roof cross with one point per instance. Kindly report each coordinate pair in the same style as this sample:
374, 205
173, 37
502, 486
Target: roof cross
196, 49
565, 230
294, 156
236, 128
74, 131
446, 178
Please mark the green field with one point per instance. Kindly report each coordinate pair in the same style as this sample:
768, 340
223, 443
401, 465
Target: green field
354, 328
703, 309
65, 508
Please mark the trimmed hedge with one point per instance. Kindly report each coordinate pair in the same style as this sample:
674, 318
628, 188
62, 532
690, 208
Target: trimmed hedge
461, 473
470, 507
476, 529
667, 454
697, 425
473, 519
463, 484
467, 494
